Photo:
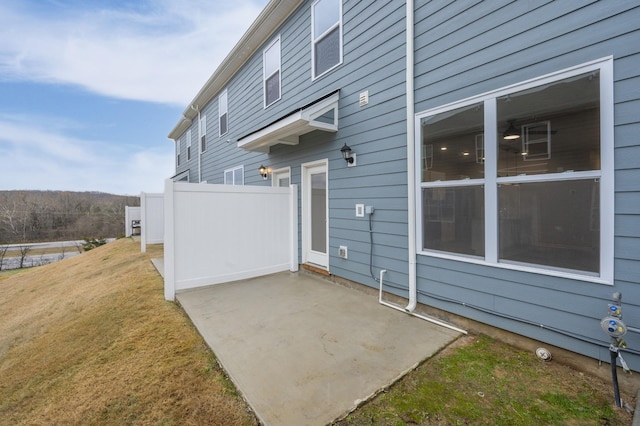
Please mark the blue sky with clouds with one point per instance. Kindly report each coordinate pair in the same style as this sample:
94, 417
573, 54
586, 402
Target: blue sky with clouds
89, 89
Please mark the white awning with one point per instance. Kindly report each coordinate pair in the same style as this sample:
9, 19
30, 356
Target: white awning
319, 115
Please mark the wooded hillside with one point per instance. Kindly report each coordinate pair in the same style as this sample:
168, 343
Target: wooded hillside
32, 216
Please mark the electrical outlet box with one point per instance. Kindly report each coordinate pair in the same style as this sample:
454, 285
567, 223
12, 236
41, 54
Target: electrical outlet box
342, 252
368, 209
359, 210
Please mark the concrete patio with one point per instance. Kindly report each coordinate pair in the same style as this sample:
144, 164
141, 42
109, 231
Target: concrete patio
305, 351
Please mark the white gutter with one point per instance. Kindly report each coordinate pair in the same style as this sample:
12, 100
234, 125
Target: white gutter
411, 187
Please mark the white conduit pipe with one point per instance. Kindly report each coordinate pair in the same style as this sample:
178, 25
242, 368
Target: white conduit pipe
431, 320
411, 187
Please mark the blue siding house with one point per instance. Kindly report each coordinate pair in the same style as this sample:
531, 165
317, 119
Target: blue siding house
479, 158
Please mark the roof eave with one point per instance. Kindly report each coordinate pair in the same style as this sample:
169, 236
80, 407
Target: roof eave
271, 17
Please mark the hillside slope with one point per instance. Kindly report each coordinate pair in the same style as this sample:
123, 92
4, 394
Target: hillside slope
90, 340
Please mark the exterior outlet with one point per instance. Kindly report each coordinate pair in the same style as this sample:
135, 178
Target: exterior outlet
342, 252
359, 210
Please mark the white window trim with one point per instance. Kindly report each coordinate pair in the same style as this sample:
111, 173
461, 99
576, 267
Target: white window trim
491, 181
314, 40
223, 95
264, 71
232, 171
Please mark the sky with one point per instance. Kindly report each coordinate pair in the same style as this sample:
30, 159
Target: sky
90, 89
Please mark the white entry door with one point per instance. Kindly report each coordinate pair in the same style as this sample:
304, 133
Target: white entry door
315, 226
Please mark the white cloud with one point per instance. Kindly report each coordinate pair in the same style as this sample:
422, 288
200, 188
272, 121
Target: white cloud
163, 53
41, 157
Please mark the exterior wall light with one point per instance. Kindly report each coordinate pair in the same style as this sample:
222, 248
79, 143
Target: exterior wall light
348, 155
263, 171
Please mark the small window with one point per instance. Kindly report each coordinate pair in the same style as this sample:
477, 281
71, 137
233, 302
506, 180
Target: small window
234, 176
326, 36
177, 152
188, 144
281, 177
271, 72
203, 133
223, 113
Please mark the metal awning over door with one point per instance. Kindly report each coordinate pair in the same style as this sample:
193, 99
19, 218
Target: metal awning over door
321, 114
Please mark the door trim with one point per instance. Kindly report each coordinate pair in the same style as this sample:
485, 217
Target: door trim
308, 256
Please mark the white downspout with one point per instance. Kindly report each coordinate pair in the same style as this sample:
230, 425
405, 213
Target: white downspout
411, 164
411, 187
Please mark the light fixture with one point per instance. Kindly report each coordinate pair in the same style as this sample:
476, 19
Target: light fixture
264, 172
348, 155
511, 133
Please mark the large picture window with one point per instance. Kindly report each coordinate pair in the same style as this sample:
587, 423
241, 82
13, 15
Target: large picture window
271, 71
523, 177
326, 35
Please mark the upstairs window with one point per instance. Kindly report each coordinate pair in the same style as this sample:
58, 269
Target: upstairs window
523, 177
223, 113
177, 152
326, 36
188, 144
234, 176
271, 72
203, 133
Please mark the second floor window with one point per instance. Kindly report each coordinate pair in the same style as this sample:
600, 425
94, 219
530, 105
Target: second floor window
326, 36
188, 144
271, 71
203, 133
223, 113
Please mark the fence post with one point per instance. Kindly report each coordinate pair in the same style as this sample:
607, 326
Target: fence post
169, 241
293, 211
143, 222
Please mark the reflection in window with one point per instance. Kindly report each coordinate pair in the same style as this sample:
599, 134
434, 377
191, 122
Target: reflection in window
556, 128
327, 35
453, 219
551, 223
450, 144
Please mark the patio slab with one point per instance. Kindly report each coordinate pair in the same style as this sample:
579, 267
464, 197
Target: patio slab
305, 351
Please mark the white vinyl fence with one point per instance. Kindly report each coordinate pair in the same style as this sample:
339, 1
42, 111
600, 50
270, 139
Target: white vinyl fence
221, 233
130, 214
152, 219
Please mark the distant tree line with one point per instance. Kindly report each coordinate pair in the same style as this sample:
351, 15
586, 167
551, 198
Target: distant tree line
33, 216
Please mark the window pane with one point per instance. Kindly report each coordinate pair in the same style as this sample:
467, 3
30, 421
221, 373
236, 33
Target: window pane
325, 14
272, 59
453, 145
238, 176
228, 177
554, 128
555, 224
223, 124
453, 219
327, 52
272, 88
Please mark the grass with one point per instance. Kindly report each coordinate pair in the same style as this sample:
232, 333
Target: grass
90, 340
480, 381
